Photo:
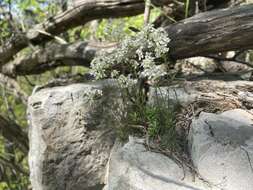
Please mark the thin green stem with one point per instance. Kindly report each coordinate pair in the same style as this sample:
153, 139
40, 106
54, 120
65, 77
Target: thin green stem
161, 11
187, 3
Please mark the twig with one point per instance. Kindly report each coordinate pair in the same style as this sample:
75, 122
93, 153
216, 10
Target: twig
164, 13
13, 165
12, 86
9, 109
28, 81
234, 58
227, 74
147, 12
248, 157
197, 67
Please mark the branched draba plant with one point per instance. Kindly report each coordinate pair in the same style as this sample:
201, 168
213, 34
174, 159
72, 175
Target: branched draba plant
139, 58
136, 57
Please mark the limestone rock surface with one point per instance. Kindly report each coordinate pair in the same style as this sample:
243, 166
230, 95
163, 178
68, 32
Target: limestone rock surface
187, 92
221, 147
70, 140
133, 167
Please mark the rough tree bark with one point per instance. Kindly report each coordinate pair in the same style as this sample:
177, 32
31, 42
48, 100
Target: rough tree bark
54, 55
201, 35
81, 14
212, 32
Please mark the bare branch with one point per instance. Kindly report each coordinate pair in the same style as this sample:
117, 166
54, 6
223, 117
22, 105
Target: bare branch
212, 32
86, 11
54, 55
11, 47
234, 59
13, 165
65, 80
13, 86
147, 12
204, 34
13, 132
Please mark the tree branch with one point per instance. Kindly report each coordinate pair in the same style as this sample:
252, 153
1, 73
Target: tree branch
212, 32
204, 34
13, 132
54, 55
86, 11
13, 165
13, 86
233, 59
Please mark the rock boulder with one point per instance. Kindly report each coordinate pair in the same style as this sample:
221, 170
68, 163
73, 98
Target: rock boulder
221, 148
70, 136
133, 167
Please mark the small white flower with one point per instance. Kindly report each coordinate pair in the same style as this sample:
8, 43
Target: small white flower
126, 82
137, 54
114, 73
94, 94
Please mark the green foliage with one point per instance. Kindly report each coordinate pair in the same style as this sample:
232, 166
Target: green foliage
118, 29
20, 184
7, 103
138, 57
162, 117
112, 30
155, 122
161, 126
11, 179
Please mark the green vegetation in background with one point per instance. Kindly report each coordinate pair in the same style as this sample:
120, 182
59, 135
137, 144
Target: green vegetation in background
12, 108
16, 111
111, 29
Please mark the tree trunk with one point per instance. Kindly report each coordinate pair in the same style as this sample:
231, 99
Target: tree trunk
201, 35
81, 14
212, 32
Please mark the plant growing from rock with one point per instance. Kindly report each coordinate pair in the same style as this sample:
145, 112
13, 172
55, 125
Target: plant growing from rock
136, 57
139, 60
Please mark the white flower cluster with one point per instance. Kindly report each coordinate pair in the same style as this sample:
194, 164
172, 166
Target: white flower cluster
134, 58
94, 94
126, 81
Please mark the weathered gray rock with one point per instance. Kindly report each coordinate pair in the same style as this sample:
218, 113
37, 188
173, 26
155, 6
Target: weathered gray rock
186, 92
196, 65
70, 137
174, 94
221, 148
133, 167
